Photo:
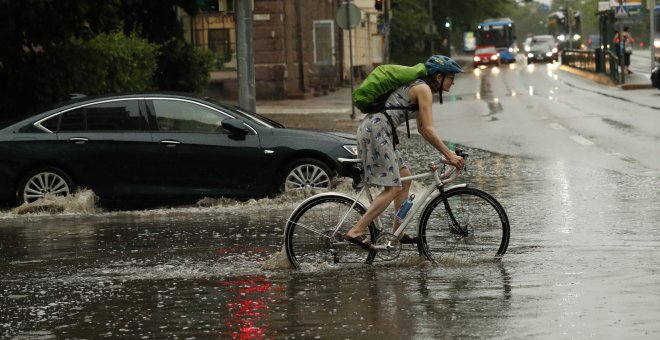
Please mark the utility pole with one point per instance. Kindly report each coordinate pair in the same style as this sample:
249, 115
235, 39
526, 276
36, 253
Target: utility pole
386, 16
350, 51
247, 99
432, 31
571, 22
651, 4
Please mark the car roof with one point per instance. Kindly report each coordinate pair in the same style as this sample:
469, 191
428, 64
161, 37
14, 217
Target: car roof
81, 98
545, 36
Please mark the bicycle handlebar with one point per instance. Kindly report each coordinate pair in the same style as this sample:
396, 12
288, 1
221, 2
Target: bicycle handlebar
452, 172
449, 175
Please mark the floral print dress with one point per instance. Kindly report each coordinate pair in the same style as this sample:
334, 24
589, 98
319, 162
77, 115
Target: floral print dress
381, 161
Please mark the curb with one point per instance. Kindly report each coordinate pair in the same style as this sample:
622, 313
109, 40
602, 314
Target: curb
636, 86
603, 79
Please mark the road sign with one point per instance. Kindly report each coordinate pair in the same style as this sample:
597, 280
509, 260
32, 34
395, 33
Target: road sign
627, 3
343, 15
625, 9
621, 12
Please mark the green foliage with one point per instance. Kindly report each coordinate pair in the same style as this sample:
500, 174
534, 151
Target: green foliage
410, 40
111, 63
184, 68
53, 48
530, 19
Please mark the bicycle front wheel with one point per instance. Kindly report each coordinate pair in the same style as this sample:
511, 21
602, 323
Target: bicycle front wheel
481, 230
314, 232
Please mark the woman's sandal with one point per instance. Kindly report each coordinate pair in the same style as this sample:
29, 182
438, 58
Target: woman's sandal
361, 241
405, 239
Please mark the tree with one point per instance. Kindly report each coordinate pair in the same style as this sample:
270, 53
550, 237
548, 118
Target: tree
531, 19
44, 41
410, 19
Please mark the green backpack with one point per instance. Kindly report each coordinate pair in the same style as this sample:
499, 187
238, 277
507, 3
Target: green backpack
371, 95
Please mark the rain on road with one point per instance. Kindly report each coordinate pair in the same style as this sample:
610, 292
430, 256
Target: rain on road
582, 259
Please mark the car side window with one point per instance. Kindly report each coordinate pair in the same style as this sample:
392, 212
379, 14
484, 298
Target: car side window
120, 115
177, 115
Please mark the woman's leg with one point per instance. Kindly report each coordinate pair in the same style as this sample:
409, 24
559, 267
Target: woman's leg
379, 205
401, 197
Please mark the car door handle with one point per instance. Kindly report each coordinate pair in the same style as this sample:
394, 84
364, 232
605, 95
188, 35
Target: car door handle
78, 140
170, 143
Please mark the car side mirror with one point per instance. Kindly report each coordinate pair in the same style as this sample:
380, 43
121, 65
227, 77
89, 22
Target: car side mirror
236, 127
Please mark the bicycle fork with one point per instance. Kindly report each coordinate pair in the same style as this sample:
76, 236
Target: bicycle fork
455, 227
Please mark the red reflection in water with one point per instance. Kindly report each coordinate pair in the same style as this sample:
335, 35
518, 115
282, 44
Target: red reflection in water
249, 308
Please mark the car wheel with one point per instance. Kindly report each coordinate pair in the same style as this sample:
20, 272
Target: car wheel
307, 173
47, 180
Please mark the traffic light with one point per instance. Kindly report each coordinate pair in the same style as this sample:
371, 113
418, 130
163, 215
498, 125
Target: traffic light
378, 5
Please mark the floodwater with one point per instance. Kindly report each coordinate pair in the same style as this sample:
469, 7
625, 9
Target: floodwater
583, 262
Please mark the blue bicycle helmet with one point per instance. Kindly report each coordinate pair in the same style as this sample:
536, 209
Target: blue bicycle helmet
443, 65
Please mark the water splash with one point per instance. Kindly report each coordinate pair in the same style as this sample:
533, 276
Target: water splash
278, 261
83, 201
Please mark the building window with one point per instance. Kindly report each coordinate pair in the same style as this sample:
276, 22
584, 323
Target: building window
216, 5
324, 42
227, 6
220, 44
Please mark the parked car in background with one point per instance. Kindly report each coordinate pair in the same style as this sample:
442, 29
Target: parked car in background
162, 147
545, 38
542, 49
527, 44
485, 55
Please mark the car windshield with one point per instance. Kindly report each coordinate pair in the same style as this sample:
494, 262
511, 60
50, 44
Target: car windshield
543, 39
541, 46
486, 50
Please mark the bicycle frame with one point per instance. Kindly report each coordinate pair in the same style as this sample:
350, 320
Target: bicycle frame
439, 181
445, 224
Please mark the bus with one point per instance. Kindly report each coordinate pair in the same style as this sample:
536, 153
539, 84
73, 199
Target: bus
656, 39
567, 32
501, 34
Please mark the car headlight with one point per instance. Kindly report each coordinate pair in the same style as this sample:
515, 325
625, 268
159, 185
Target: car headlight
511, 49
476, 58
554, 50
656, 43
561, 37
577, 37
352, 149
548, 54
527, 48
530, 55
494, 57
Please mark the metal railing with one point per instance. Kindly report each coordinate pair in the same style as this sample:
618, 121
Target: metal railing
594, 61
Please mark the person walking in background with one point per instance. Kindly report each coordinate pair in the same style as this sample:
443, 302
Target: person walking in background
624, 48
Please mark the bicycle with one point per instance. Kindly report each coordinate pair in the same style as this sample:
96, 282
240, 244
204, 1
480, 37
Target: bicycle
459, 220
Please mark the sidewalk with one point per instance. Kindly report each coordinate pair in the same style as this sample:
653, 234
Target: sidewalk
337, 102
635, 81
330, 112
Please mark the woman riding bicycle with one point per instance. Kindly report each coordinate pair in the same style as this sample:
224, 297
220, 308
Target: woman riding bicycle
382, 163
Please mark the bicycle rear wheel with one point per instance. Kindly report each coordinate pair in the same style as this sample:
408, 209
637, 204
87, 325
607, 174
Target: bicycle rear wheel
484, 226
311, 237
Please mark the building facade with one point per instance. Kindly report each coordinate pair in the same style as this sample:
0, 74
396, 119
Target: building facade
299, 50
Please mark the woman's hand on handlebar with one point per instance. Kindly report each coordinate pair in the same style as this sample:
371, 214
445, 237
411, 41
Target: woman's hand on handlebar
457, 161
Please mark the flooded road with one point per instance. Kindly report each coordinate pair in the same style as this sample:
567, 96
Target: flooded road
582, 263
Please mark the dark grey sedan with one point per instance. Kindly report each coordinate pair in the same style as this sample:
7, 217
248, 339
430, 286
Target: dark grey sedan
162, 147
